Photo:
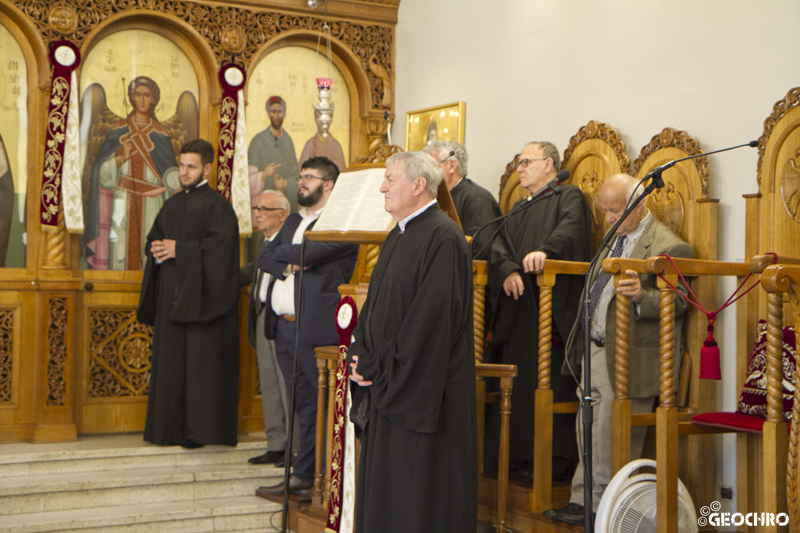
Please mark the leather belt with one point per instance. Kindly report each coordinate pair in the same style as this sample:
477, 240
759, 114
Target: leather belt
599, 344
288, 318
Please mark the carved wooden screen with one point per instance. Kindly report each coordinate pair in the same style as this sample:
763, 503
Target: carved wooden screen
594, 154
773, 215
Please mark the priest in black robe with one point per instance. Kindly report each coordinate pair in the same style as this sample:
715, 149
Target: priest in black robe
413, 367
189, 294
475, 205
556, 226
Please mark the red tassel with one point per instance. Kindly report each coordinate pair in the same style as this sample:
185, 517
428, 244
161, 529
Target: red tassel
709, 356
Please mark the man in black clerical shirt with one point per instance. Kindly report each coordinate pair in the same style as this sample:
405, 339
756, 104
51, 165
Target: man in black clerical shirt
189, 294
413, 367
557, 226
475, 205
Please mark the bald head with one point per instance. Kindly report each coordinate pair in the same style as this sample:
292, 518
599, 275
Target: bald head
613, 198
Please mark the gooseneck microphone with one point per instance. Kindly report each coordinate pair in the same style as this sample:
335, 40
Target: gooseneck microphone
552, 187
658, 170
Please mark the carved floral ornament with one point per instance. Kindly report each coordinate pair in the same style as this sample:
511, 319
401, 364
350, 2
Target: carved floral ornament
234, 33
678, 139
599, 130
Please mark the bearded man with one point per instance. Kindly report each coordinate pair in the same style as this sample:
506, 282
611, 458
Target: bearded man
327, 266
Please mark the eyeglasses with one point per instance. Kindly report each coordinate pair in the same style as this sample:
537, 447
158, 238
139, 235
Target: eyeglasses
525, 162
305, 178
265, 210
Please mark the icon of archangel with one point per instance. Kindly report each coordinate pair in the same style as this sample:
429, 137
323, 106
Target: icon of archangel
131, 169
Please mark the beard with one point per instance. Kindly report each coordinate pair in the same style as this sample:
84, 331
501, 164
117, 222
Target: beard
276, 124
312, 197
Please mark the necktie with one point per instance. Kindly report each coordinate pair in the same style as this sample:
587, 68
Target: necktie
603, 277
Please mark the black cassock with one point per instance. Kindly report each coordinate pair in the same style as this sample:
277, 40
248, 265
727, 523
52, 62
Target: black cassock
559, 226
418, 465
475, 207
192, 302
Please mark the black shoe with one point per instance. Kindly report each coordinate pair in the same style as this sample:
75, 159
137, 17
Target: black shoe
190, 444
282, 461
296, 486
266, 458
571, 514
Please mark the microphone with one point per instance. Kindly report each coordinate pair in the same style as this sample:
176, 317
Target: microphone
553, 187
658, 170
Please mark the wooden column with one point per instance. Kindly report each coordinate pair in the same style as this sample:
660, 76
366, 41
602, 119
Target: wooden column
541, 498
667, 416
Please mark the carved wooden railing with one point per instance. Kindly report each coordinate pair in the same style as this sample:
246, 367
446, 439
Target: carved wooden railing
778, 280
669, 423
541, 497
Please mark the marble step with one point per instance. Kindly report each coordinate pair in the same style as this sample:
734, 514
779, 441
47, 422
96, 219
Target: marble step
17, 460
80, 490
248, 514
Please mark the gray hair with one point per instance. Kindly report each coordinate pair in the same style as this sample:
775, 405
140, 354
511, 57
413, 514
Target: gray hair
442, 149
282, 200
549, 151
420, 164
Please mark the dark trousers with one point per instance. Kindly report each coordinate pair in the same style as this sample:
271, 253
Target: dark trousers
305, 405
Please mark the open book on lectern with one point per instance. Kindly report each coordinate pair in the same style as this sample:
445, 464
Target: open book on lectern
356, 204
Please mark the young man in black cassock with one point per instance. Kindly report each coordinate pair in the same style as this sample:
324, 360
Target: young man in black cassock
413, 367
190, 291
557, 226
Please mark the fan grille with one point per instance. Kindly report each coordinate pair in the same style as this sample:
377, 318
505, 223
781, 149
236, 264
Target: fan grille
637, 514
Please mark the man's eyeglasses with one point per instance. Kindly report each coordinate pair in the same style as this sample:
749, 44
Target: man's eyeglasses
451, 154
525, 162
265, 210
305, 178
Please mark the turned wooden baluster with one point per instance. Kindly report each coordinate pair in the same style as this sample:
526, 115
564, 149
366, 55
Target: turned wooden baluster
506, 373
777, 280
322, 380
621, 405
794, 437
480, 277
55, 257
542, 494
667, 415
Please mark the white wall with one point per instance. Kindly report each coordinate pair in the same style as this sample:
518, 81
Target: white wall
540, 69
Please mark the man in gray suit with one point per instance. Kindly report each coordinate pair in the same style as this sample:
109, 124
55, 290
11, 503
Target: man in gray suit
640, 236
270, 212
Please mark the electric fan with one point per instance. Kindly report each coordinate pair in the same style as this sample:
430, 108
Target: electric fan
629, 503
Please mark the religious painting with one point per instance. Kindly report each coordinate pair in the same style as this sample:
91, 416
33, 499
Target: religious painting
441, 123
138, 107
13, 151
283, 129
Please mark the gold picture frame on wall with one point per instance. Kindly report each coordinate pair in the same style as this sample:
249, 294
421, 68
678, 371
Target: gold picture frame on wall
443, 123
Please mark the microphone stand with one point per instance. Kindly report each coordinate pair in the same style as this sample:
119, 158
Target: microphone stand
657, 182
293, 395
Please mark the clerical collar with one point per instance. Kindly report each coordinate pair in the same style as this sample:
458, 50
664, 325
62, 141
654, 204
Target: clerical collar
416, 213
204, 182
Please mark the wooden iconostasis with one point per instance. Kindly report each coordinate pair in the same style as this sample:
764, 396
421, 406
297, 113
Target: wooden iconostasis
73, 358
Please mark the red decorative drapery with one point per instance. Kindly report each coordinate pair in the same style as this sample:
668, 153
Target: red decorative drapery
65, 58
